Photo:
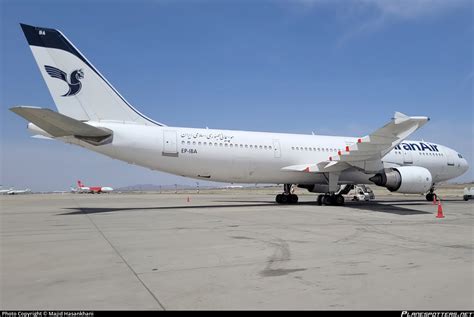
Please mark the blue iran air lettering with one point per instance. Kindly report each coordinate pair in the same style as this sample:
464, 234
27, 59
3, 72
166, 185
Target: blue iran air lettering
420, 146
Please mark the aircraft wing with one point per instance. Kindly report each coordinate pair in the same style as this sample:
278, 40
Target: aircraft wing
59, 125
366, 152
377, 144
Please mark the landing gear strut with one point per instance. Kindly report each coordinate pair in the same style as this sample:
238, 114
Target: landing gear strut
331, 199
287, 197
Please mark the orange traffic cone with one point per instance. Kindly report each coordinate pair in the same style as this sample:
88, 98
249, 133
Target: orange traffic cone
440, 210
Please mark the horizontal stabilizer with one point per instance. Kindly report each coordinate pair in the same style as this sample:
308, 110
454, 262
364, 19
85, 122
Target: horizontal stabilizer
59, 125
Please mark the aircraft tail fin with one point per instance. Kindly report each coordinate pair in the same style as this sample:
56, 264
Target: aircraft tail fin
78, 89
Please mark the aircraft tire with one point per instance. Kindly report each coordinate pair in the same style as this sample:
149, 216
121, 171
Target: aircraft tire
320, 200
278, 198
327, 200
430, 196
293, 199
339, 200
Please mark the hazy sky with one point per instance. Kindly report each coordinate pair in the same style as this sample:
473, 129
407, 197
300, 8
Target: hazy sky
332, 67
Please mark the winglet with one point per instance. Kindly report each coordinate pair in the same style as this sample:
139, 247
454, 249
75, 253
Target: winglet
400, 117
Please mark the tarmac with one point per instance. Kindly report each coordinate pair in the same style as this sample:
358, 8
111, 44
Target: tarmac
234, 251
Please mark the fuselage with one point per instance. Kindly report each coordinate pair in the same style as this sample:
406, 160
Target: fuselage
257, 157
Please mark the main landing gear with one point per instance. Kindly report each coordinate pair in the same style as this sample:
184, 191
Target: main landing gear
331, 199
287, 197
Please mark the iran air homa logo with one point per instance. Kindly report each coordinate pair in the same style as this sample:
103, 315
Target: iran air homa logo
74, 82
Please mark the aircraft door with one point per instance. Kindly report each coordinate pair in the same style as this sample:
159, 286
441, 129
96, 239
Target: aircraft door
407, 157
276, 149
449, 158
170, 144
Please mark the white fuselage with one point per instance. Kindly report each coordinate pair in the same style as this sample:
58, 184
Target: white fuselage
257, 157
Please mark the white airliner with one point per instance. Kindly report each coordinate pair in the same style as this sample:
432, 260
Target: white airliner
13, 191
81, 188
5, 191
92, 114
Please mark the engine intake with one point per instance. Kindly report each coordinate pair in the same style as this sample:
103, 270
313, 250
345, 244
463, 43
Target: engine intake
405, 179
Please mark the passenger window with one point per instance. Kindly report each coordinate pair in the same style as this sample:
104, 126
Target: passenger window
199, 143
265, 147
189, 142
246, 146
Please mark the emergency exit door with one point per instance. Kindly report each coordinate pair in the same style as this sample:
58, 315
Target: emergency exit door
170, 143
276, 149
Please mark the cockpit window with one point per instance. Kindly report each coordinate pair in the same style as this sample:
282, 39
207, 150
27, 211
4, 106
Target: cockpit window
459, 155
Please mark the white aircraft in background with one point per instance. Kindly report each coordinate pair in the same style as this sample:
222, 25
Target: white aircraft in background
92, 114
5, 191
18, 191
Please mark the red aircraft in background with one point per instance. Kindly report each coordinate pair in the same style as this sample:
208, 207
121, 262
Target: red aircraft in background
81, 188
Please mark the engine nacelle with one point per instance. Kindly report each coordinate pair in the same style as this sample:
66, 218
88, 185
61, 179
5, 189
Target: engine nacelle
405, 179
317, 188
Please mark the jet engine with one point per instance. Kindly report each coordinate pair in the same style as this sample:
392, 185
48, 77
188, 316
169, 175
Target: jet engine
405, 179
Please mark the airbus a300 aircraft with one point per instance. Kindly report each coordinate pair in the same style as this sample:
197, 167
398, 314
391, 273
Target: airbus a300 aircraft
92, 114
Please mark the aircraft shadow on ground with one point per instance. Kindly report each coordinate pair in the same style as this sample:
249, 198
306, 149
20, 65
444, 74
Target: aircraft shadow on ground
386, 207
369, 206
93, 210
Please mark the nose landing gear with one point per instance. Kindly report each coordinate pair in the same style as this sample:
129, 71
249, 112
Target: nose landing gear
431, 195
